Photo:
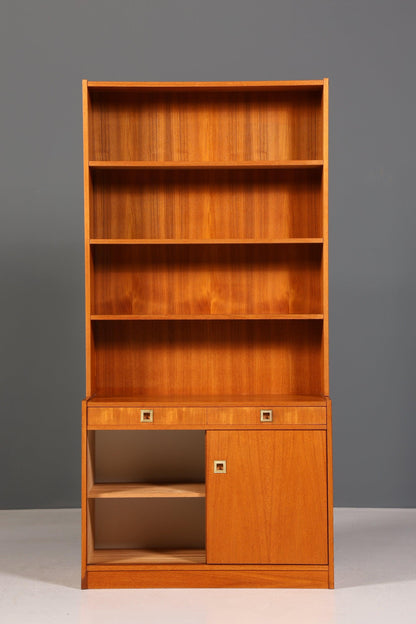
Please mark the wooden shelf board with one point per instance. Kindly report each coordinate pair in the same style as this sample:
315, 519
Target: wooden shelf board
124, 556
279, 85
263, 400
147, 490
176, 164
205, 241
205, 317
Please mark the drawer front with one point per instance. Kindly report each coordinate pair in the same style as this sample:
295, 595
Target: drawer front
146, 417
266, 416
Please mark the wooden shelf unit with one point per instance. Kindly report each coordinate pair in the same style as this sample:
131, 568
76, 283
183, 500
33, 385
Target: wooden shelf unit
206, 258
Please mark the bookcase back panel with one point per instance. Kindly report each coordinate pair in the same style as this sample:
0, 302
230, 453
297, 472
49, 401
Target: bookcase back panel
149, 457
149, 523
191, 358
206, 204
198, 125
207, 279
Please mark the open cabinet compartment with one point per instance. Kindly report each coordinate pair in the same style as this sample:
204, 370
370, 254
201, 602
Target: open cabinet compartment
146, 496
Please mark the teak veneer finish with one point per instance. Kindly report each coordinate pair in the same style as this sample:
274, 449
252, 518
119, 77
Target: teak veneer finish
193, 204
200, 241
201, 164
147, 490
207, 427
205, 126
283, 515
195, 357
207, 279
200, 417
233, 400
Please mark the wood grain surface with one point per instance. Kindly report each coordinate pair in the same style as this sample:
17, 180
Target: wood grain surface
205, 126
192, 204
200, 357
206, 282
271, 504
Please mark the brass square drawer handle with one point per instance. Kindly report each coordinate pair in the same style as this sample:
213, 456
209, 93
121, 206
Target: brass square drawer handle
220, 466
266, 415
146, 415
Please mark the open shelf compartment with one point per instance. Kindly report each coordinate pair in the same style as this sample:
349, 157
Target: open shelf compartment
155, 125
207, 280
216, 357
192, 205
146, 496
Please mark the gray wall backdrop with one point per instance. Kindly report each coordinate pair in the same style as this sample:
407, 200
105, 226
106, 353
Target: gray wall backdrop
367, 48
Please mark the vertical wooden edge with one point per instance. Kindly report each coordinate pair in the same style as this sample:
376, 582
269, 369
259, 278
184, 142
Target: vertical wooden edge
87, 193
90, 459
325, 114
207, 496
330, 496
325, 189
84, 499
90, 479
84, 486
90, 528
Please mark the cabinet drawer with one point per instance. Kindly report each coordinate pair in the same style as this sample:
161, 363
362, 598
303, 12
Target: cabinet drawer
146, 417
267, 416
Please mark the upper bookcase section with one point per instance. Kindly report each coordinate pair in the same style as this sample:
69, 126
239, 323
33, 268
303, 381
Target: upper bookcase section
206, 122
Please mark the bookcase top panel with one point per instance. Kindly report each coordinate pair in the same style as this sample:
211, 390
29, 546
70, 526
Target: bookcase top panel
233, 85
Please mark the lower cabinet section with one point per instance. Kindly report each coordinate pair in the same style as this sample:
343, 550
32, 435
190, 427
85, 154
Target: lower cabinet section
216, 508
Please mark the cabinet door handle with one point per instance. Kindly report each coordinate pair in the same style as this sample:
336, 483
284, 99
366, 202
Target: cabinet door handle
266, 415
146, 415
220, 466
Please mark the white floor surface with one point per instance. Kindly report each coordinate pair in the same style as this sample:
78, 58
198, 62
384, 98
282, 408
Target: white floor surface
375, 578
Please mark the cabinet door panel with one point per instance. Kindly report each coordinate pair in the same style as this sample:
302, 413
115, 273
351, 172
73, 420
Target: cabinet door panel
268, 502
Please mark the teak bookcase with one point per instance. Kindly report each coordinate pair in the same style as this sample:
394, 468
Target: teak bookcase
206, 432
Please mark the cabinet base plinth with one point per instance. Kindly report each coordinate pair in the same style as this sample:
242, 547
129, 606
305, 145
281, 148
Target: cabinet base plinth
244, 577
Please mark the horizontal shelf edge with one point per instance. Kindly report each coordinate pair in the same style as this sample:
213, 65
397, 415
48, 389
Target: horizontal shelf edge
226, 85
244, 164
229, 567
206, 317
206, 241
208, 427
300, 400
